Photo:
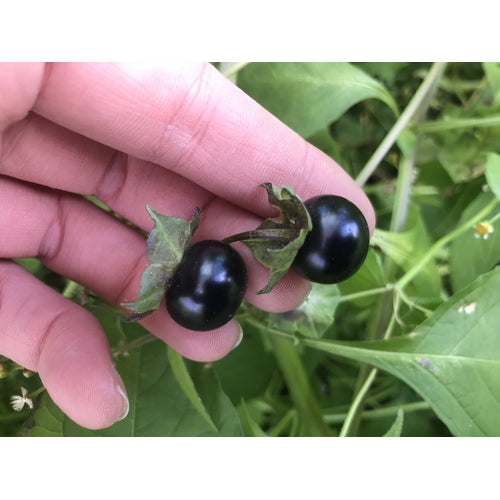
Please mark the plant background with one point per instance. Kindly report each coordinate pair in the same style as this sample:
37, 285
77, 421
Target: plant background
407, 347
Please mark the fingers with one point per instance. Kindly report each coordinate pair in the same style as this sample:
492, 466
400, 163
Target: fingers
193, 121
111, 257
37, 150
19, 86
109, 260
45, 332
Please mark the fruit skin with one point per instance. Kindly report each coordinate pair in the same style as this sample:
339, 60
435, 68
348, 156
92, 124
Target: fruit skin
207, 287
338, 242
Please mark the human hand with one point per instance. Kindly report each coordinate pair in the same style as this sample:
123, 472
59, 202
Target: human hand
172, 137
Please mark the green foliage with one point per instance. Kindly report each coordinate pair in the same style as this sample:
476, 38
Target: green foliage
168, 397
408, 345
310, 96
452, 359
470, 254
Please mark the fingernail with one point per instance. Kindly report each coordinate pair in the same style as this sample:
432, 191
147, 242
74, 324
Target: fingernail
126, 404
121, 391
240, 337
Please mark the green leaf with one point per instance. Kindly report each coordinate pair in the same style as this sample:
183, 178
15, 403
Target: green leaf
165, 248
462, 158
310, 96
48, 419
397, 427
471, 256
183, 376
313, 317
158, 404
276, 241
246, 371
452, 359
493, 173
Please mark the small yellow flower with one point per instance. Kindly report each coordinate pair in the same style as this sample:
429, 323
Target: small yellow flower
483, 230
18, 402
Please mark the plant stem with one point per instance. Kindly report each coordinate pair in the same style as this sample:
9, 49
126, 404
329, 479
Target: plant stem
366, 293
230, 69
134, 344
403, 189
70, 288
271, 233
38, 391
380, 412
298, 384
458, 123
416, 108
357, 404
423, 92
366, 377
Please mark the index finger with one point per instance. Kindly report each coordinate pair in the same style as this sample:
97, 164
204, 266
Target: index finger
190, 119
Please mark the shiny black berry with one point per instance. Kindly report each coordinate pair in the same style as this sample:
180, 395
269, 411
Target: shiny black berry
338, 242
207, 287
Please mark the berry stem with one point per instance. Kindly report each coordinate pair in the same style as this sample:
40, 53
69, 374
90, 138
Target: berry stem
260, 234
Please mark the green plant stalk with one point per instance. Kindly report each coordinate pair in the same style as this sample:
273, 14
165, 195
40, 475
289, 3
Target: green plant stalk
398, 219
70, 289
453, 124
366, 293
366, 377
403, 191
355, 409
388, 411
134, 344
416, 109
420, 97
231, 69
298, 384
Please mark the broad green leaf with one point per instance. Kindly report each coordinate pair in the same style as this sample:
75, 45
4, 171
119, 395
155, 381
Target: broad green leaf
313, 317
310, 96
452, 359
493, 173
48, 419
183, 376
158, 404
463, 158
397, 427
165, 247
32, 265
470, 254
246, 371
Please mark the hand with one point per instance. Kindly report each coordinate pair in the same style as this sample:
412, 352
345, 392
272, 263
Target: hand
173, 137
